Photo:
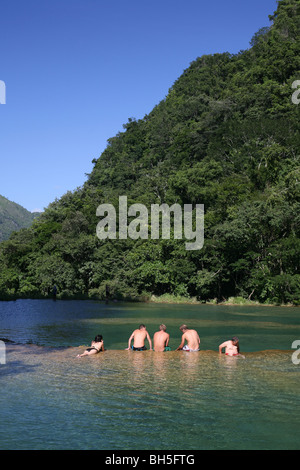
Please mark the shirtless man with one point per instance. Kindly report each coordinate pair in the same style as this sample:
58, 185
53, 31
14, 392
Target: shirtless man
139, 335
232, 347
161, 339
192, 339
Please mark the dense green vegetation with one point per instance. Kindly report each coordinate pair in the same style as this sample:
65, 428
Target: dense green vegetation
227, 136
13, 217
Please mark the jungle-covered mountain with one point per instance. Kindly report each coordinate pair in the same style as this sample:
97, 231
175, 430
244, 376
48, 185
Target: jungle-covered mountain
13, 217
226, 136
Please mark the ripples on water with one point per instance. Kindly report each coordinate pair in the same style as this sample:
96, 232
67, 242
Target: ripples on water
124, 400
146, 400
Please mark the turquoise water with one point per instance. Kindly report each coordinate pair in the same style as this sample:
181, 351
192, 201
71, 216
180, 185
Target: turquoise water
122, 400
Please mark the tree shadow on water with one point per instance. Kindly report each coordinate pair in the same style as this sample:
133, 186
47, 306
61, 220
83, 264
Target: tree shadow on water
16, 367
16, 360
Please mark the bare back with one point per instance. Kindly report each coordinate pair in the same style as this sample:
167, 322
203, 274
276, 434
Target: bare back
139, 337
99, 346
192, 339
160, 340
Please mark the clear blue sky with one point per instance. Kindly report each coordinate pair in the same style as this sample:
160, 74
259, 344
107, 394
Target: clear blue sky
76, 70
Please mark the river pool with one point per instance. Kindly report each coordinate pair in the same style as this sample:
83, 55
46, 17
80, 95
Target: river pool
124, 400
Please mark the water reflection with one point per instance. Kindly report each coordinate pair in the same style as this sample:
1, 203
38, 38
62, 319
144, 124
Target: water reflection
229, 365
141, 390
137, 397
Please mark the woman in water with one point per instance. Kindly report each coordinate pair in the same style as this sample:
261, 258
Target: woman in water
232, 347
96, 346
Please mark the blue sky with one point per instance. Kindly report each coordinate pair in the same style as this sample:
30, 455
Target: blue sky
76, 70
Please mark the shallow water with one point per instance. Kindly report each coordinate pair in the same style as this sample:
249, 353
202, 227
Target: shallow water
124, 400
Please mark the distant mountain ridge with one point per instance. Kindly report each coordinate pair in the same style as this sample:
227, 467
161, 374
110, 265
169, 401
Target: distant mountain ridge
13, 217
226, 136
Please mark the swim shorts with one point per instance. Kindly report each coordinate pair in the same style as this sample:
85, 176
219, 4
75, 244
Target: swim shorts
143, 348
186, 348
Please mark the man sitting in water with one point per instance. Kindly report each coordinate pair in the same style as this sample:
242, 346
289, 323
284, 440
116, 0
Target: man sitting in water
161, 339
232, 347
192, 339
139, 335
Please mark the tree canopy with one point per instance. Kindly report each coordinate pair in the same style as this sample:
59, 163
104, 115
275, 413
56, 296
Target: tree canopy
226, 136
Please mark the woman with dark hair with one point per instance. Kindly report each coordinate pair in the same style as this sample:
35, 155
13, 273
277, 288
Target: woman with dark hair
96, 346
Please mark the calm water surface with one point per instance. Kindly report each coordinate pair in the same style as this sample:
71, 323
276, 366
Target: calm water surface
123, 400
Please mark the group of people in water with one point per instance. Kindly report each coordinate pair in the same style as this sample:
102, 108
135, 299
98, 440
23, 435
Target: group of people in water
190, 341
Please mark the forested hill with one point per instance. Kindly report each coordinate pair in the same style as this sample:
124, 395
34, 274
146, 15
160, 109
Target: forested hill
13, 217
226, 136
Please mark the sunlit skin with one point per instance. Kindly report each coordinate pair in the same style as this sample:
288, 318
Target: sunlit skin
161, 339
231, 348
95, 348
138, 336
191, 337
